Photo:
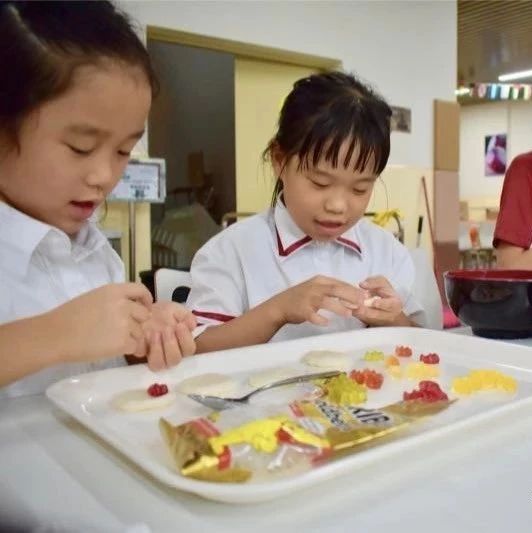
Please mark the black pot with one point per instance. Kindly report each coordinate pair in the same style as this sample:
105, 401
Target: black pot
495, 303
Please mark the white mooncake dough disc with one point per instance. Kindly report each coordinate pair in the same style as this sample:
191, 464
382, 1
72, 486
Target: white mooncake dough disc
136, 400
208, 385
327, 359
270, 375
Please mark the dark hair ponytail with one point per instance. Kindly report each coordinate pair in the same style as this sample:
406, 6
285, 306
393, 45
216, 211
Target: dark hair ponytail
42, 44
321, 113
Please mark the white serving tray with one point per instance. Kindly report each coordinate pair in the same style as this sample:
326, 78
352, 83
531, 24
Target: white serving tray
136, 435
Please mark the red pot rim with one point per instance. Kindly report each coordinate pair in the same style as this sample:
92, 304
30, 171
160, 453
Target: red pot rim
490, 275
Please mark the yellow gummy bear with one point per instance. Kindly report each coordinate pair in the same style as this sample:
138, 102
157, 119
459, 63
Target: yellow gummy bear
303, 436
261, 434
342, 390
373, 355
391, 360
479, 380
395, 371
420, 370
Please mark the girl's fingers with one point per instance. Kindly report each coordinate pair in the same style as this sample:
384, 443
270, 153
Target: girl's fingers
375, 282
317, 319
186, 342
347, 293
142, 348
191, 322
382, 313
386, 292
387, 304
138, 311
171, 349
182, 314
337, 307
137, 292
349, 305
130, 346
156, 355
370, 316
135, 330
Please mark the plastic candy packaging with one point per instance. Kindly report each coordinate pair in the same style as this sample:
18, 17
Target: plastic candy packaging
255, 443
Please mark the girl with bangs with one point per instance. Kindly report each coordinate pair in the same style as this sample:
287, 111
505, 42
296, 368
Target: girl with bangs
74, 98
311, 264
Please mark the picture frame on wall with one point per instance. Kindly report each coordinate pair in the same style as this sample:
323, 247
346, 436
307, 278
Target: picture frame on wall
495, 156
401, 119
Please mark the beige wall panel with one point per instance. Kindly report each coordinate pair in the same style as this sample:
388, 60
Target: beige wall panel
446, 205
401, 189
446, 135
260, 88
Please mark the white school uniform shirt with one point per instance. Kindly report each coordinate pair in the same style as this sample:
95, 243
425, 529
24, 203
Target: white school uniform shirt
261, 256
41, 267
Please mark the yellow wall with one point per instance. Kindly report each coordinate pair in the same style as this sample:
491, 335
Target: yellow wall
260, 88
117, 218
401, 189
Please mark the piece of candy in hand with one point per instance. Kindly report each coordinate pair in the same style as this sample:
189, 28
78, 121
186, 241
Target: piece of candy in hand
368, 302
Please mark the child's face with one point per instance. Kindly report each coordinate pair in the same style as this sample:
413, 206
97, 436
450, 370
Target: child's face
325, 201
74, 149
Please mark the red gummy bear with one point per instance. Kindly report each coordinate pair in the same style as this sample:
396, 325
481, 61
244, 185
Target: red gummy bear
403, 351
157, 389
430, 358
429, 391
368, 377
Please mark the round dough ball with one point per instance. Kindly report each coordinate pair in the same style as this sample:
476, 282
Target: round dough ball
137, 400
327, 359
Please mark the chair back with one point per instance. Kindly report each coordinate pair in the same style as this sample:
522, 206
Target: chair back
172, 285
426, 289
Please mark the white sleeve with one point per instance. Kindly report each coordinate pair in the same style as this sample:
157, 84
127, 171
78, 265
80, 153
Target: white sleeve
415, 283
7, 313
402, 280
218, 292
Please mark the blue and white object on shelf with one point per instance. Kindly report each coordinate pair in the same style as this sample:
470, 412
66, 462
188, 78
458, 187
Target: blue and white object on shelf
144, 180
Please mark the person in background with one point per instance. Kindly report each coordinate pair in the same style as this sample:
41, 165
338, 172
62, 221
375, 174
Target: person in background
75, 92
311, 264
513, 230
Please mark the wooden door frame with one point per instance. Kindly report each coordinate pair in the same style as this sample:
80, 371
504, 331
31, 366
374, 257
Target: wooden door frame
241, 49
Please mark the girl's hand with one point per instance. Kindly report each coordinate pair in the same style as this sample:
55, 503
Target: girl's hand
167, 335
105, 322
384, 307
302, 302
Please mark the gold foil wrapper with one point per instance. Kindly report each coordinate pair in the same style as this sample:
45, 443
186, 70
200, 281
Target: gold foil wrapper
262, 443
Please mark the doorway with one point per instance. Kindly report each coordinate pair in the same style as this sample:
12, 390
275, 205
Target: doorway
218, 105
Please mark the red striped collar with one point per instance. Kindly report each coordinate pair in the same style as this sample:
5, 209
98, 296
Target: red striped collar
283, 252
220, 317
290, 238
349, 242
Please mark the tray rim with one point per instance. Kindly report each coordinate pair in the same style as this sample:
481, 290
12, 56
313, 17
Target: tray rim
258, 492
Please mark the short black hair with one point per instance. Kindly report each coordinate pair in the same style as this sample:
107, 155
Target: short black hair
321, 113
43, 43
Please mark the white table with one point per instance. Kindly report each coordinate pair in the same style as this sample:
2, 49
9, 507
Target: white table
54, 471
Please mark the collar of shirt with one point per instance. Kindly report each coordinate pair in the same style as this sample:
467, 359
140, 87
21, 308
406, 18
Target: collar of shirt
22, 235
290, 238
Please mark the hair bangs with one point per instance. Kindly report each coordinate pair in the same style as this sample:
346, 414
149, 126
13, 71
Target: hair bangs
336, 118
368, 142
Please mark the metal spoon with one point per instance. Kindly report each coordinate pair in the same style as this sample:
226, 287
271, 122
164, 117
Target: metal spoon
219, 404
